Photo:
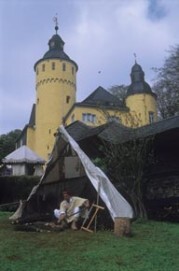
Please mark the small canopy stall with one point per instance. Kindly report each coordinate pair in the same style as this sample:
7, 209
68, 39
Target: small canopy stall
24, 161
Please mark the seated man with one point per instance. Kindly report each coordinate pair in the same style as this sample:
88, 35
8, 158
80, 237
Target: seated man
70, 209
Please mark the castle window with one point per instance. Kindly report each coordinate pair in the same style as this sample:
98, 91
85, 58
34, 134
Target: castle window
49, 131
88, 117
37, 71
43, 67
53, 65
64, 67
73, 118
151, 117
37, 100
84, 117
72, 70
67, 99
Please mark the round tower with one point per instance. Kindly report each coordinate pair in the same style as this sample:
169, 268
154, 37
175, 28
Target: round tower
55, 93
140, 99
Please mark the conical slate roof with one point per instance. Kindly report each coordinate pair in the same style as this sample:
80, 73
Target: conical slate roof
23, 155
56, 51
138, 84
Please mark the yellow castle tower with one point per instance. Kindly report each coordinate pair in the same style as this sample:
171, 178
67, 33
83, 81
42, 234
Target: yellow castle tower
140, 99
55, 95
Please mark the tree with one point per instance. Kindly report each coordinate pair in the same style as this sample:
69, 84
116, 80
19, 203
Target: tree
125, 164
7, 143
166, 85
119, 91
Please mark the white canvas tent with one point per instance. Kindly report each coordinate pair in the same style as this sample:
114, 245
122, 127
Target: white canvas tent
115, 202
70, 167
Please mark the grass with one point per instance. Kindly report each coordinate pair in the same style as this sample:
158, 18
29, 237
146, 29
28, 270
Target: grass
154, 246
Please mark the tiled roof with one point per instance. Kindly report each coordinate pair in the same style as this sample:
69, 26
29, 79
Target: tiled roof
159, 127
116, 133
78, 130
101, 97
109, 131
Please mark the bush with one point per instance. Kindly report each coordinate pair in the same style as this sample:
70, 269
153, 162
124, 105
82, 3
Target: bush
14, 188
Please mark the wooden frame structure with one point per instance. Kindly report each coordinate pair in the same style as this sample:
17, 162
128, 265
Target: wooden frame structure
87, 227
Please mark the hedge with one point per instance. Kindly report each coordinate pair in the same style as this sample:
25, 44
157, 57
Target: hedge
14, 188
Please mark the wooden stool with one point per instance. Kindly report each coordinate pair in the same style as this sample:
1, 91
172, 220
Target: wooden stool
97, 207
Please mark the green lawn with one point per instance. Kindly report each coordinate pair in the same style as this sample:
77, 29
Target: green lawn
154, 246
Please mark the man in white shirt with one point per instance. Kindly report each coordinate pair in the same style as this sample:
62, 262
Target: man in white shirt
70, 209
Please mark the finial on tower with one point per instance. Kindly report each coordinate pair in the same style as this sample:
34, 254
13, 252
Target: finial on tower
55, 19
135, 57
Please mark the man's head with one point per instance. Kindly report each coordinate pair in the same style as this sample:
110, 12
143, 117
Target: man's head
66, 195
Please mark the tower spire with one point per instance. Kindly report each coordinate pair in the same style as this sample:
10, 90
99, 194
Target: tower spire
55, 19
135, 57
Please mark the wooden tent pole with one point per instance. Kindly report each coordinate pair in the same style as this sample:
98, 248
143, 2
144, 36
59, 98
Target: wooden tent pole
97, 202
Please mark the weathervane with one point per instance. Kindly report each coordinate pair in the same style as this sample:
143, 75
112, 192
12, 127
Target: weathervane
55, 19
135, 57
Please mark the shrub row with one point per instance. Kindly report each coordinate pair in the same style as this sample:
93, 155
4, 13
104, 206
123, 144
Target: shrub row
14, 188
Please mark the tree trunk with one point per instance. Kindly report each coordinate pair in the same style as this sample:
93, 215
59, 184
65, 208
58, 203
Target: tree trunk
122, 226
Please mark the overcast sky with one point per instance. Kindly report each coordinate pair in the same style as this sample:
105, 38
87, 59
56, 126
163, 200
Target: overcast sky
99, 35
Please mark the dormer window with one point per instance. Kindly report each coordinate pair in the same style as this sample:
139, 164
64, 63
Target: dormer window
114, 119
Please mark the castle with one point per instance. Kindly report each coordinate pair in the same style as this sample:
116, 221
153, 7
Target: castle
56, 100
